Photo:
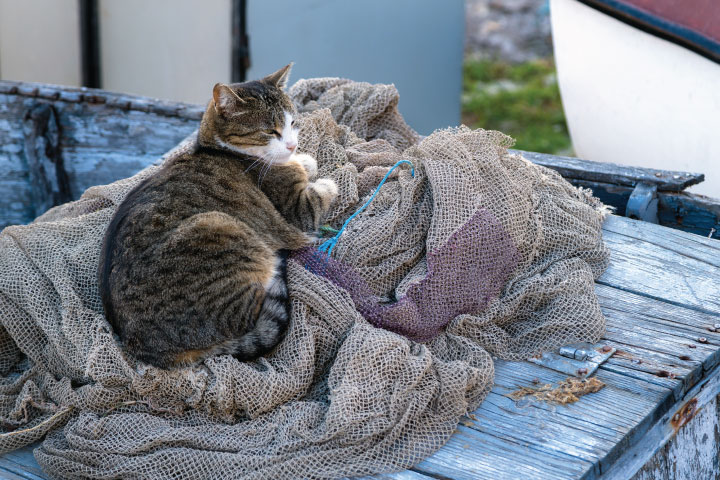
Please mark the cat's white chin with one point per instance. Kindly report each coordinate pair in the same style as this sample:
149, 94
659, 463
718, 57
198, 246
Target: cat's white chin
279, 159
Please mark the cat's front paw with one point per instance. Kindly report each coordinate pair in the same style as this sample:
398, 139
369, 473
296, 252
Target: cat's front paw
326, 189
307, 162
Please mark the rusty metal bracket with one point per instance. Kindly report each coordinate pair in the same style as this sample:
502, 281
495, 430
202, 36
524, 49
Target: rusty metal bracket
577, 359
50, 184
678, 416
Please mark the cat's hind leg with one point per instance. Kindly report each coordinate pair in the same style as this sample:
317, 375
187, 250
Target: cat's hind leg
215, 270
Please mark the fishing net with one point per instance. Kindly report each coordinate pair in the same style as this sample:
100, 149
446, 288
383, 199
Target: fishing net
479, 254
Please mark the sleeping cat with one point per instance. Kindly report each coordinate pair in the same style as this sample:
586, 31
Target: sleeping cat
193, 262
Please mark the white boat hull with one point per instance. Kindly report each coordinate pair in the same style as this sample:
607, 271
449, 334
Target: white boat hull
635, 99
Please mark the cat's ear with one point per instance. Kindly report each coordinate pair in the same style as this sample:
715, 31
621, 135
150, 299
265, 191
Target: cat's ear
225, 99
279, 78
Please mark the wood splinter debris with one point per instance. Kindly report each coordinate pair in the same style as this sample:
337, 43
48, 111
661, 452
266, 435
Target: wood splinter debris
568, 391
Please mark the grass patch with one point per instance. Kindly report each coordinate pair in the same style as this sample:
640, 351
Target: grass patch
520, 100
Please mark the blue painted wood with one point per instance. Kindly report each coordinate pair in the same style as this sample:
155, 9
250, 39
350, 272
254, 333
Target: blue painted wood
694, 246
666, 428
683, 211
20, 464
474, 455
611, 173
692, 213
632, 376
654, 271
610, 194
406, 475
104, 137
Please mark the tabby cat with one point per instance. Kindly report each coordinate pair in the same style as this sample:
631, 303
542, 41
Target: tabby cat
193, 262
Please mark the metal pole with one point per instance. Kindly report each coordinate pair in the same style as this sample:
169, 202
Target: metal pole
240, 51
90, 43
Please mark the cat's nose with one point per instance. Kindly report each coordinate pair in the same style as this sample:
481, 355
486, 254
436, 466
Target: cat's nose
291, 146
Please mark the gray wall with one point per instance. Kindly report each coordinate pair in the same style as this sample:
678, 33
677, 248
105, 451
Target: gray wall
178, 49
415, 44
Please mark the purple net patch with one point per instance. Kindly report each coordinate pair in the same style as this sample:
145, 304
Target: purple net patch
463, 275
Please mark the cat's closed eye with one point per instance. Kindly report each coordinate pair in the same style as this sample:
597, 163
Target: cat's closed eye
274, 132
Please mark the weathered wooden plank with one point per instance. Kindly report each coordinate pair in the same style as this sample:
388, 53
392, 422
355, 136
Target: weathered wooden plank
49, 183
678, 210
488, 452
675, 338
657, 342
471, 455
655, 310
544, 430
659, 364
683, 327
616, 196
11, 474
657, 272
678, 417
570, 167
21, 464
100, 143
691, 453
100, 147
694, 246
97, 96
596, 415
406, 475
500, 417
689, 212
634, 373
686, 343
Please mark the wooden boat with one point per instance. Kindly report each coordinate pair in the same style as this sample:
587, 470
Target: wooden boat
659, 359
58, 141
639, 80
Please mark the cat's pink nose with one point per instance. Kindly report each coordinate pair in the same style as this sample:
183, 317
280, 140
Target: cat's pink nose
291, 146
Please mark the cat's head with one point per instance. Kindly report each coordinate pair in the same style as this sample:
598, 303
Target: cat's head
255, 118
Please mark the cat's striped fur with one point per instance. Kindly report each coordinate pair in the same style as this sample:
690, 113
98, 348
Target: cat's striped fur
193, 262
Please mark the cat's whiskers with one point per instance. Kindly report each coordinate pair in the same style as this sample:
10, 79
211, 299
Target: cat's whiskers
261, 158
264, 171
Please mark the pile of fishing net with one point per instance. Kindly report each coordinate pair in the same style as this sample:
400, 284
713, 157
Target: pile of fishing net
480, 254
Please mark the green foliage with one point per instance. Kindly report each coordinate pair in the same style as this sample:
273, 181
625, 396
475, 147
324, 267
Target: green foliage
520, 100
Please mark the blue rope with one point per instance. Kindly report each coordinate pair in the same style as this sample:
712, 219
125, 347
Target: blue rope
328, 245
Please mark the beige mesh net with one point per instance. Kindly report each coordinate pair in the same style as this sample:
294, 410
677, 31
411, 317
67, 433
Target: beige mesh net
480, 253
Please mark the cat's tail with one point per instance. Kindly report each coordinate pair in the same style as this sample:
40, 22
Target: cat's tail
273, 319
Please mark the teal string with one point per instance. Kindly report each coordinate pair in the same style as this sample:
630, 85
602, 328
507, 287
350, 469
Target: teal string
328, 245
